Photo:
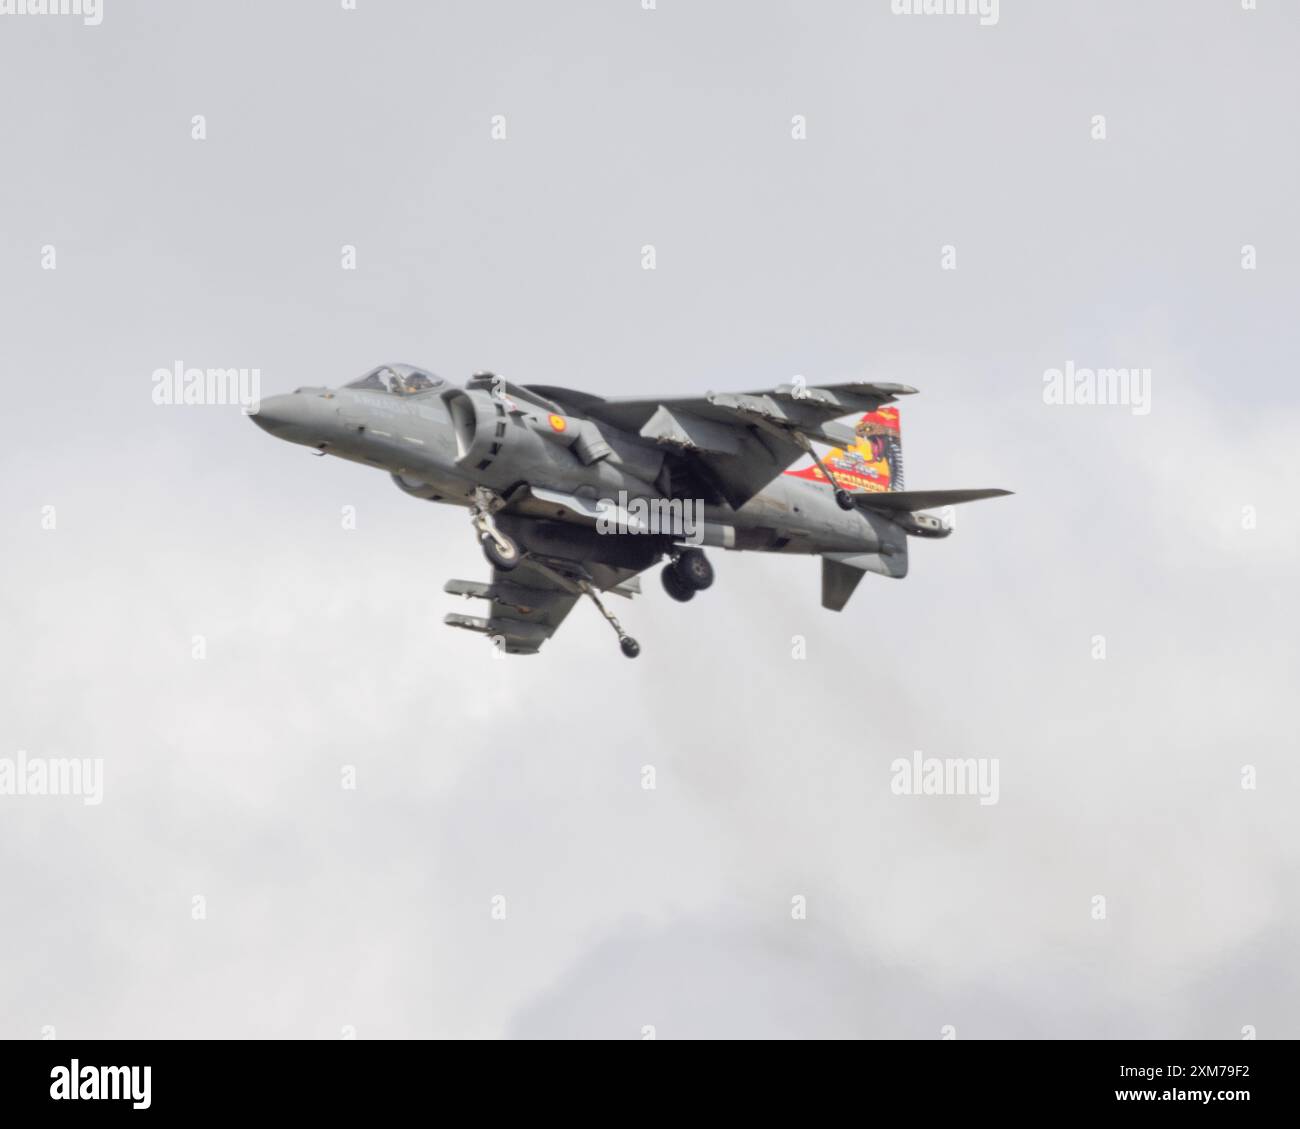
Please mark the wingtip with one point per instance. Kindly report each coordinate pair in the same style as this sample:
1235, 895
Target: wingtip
895, 389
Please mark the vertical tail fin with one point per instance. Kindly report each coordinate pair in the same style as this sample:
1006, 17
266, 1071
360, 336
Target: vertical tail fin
873, 462
880, 441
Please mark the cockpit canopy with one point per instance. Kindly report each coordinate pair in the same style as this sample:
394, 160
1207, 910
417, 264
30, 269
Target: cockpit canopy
399, 380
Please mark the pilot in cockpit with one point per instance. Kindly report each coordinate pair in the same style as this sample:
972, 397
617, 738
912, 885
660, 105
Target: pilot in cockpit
416, 382
398, 380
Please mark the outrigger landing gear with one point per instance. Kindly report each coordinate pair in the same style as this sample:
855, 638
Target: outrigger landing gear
500, 550
843, 498
627, 644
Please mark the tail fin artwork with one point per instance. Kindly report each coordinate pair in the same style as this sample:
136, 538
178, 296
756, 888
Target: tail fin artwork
873, 463
871, 469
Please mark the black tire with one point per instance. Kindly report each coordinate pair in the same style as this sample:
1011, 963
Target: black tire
498, 558
694, 569
844, 499
675, 586
629, 646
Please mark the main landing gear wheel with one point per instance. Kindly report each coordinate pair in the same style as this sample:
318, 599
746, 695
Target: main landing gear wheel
675, 585
694, 570
843, 499
629, 646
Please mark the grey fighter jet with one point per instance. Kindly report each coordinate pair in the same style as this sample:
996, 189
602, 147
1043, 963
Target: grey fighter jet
573, 495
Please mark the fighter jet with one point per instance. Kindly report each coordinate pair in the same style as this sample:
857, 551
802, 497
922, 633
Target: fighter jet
572, 495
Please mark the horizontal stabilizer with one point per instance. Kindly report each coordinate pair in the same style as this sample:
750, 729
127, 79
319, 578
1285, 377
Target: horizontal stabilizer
905, 501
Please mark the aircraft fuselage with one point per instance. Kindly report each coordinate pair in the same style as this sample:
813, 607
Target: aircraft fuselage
442, 445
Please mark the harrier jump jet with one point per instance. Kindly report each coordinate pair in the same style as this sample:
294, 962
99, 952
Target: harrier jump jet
563, 488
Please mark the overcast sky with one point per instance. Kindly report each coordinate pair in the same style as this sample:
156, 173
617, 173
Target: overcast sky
1172, 534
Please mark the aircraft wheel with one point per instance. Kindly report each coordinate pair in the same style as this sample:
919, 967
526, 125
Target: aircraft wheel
503, 558
694, 569
629, 646
844, 499
675, 586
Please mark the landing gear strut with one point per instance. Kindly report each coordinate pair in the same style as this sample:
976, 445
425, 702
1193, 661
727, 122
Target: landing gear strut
584, 586
627, 644
843, 498
500, 550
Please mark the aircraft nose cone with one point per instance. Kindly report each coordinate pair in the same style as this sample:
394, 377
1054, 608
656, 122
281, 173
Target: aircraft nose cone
276, 414
298, 417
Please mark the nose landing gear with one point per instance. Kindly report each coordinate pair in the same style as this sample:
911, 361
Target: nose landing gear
500, 550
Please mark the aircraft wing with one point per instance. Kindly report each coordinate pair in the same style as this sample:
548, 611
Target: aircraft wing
528, 603
738, 441
903, 501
